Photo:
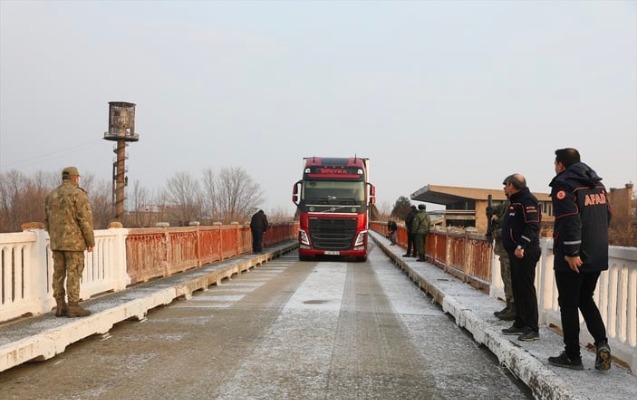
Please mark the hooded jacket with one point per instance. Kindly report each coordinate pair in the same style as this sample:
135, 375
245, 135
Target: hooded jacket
582, 215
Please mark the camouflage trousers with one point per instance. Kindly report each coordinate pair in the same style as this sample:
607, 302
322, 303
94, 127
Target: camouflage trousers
67, 265
505, 272
419, 239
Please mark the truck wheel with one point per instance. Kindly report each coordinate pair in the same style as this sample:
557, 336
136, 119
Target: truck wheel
361, 259
304, 258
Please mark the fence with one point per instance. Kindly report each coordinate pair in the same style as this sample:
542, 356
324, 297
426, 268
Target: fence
121, 257
469, 256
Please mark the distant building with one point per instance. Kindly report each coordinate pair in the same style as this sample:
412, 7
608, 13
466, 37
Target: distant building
467, 207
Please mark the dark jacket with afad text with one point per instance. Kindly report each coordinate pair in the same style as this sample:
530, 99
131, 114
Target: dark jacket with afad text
521, 221
582, 215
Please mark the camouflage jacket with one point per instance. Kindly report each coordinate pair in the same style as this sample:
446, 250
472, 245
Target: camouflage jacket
69, 219
421, 223
495, 227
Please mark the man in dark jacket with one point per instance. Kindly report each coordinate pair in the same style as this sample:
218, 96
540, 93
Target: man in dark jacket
580, 246
258, 226
411, 243
521, 239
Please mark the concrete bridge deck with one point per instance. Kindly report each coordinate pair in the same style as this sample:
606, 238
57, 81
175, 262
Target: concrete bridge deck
44, 336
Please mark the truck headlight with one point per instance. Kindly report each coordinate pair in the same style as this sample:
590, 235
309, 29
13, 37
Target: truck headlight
303, 239
360, 239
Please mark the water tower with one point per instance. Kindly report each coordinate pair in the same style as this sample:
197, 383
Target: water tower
121, 129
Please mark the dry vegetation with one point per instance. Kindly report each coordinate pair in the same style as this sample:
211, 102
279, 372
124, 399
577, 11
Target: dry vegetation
231, 195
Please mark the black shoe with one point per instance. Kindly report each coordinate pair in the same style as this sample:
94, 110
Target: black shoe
565, 362
420, 260
529, 335
603, 359
407, 255
514, 330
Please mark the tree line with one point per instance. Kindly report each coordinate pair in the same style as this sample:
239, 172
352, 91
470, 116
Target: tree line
231, 195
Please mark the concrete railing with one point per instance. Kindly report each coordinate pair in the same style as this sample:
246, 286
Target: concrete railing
470, 256
121, 257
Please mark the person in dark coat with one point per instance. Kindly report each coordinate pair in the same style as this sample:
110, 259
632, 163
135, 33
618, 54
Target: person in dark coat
580, 246
392, 228
521, 240
411, 243
258, 226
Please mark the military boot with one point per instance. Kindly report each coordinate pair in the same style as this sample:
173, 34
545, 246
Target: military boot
75, 310
61, 308
507, 315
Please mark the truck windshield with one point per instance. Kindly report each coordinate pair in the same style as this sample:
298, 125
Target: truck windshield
333, 192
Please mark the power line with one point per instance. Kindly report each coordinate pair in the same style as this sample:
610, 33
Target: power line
34, 160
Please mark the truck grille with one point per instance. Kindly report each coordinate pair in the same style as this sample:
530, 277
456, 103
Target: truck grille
332, 233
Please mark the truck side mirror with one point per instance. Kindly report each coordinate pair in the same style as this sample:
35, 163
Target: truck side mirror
372, 194
295, 192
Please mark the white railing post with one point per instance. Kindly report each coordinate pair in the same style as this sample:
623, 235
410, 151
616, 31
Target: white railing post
40, 269
119, 259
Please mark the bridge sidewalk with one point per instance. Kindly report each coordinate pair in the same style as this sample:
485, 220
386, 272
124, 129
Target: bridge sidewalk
42, 337
473, 310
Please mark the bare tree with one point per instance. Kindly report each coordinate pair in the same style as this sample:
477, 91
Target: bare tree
237, 194
100, 195
141, 210
209, 196
280, 214
11, 190
22, 198
184, 194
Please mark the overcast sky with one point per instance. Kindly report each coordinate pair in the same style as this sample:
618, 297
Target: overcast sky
458, 93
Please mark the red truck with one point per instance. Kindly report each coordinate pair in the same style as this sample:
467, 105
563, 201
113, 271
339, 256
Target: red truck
333, 200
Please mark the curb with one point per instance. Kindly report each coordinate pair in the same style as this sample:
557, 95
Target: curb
448, 292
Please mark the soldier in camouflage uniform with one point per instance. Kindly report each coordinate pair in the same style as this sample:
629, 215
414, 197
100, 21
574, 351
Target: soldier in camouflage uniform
495, 232
420, 228
69, 221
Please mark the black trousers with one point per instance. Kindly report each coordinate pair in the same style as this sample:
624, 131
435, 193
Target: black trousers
523, 285
257, 240
411, 243
575, 292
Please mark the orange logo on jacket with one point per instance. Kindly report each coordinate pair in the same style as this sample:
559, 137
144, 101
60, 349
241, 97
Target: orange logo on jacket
595, 199
561, 195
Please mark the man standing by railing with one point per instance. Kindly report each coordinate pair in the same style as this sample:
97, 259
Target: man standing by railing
580, 234
521, 239
69, 221
420, 228
409, 221
258, 226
